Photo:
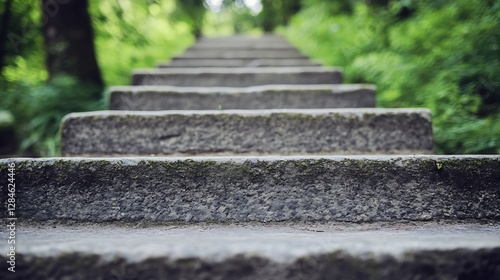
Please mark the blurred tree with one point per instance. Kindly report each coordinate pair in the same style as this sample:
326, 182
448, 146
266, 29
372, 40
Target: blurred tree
277, 12
332, 7
194, 11
274, 13
18, 34
384, 3
69, 41
4, 27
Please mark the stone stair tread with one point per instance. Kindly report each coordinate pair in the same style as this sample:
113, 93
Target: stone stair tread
249, 62
242, 37
239, 54
243, 44
213, 242
261, 46
258, 189
285, 131
249, 43
107, 251
243, 70
229, 90
236, 77
154, 98
254, 45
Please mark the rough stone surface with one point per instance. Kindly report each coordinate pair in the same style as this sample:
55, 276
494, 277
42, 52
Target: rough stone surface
154, 98
236, 77
264, 46
251, 62
254, 252
242, 43
291, 131
238, 54
262, 189
266, 38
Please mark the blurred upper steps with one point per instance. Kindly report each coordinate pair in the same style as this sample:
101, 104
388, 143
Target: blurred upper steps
180, 62
236, 77
240, 51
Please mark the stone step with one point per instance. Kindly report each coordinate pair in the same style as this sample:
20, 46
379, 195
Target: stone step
267, 46
236, 77
240, 54
242, 38
243, 43
256, 189
247, 43
155, 98
293, 131
257, 62
407, 251
250, 45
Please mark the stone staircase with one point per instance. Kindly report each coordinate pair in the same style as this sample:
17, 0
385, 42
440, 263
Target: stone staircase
243, 159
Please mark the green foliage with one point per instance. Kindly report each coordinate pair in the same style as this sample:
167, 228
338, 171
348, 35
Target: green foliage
442, 55
277, 13
128, 34
220, 23
39, 110
6, 119
134, 34
24, 51
192, 11
330, 7
236, 17
232, 18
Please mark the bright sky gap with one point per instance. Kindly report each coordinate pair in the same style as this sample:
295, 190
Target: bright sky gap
254, 5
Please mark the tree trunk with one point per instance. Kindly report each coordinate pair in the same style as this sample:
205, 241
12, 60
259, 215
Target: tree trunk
4, 27
195, 11
69, 40
268, 15
277, 12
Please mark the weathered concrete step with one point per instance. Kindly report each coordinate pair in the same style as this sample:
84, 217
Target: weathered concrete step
265, 46
257, 62
236, 77
252, 43
242, 38
294, 131
243, 43
261, 189
240, 54
254, 252
155, 98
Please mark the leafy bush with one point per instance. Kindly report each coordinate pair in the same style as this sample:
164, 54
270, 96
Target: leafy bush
38, 111
442, 55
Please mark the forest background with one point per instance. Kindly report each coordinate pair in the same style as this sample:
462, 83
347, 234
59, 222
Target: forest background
437, 54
